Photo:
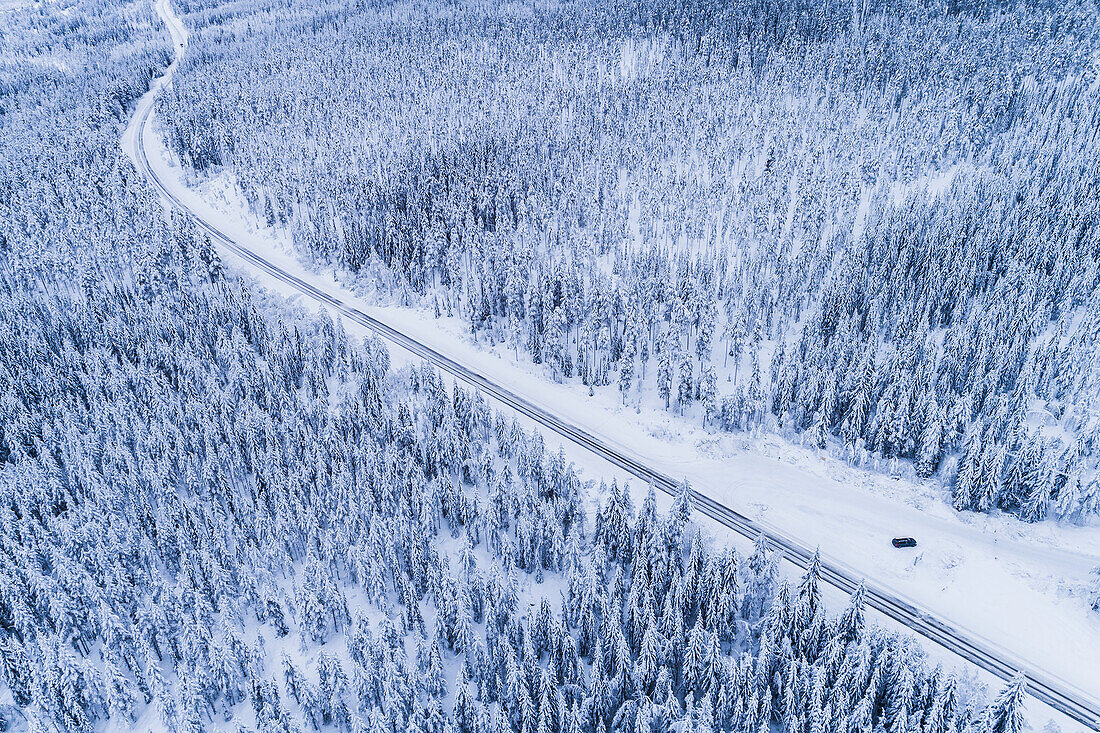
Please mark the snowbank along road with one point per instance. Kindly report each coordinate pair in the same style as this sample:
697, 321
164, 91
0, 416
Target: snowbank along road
1057, 694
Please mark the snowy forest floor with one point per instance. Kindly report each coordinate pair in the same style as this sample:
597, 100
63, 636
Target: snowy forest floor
1022, 587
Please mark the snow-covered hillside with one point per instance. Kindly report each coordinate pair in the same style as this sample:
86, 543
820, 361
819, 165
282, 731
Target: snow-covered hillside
1028, 572
221, 512
875, 225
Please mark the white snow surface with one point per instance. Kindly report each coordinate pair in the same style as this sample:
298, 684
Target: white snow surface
1021, 588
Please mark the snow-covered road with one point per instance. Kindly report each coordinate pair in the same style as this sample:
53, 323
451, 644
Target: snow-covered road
598, 439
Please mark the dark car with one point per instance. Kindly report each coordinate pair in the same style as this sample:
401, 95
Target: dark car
904, 542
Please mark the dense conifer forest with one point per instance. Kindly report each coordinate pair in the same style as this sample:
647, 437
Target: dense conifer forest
220, 513
873, 223
226, 522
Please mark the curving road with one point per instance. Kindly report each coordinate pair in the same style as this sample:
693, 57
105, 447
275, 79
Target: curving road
1054, 693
